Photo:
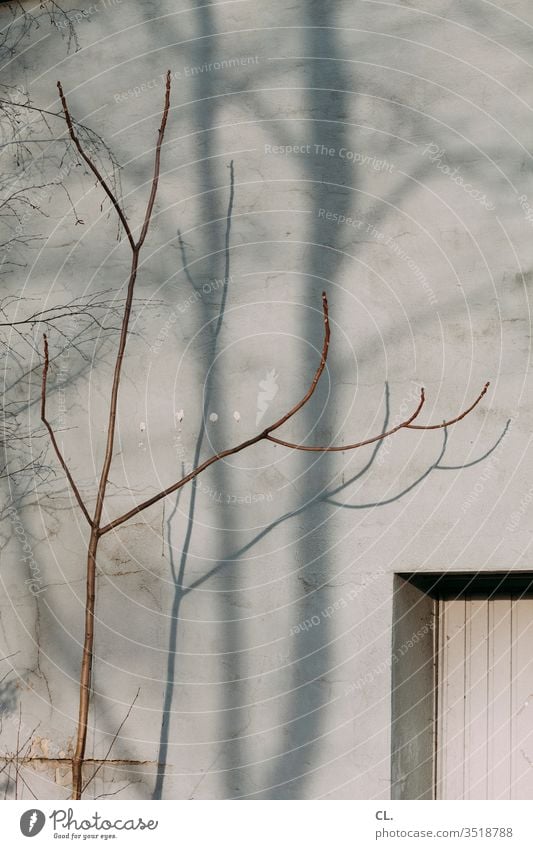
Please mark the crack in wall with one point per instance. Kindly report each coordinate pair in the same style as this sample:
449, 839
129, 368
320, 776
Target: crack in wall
61, 761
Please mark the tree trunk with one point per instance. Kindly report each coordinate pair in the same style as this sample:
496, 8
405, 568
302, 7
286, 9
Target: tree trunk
86, 668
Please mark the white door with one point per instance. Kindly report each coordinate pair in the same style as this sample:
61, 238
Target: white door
484, 740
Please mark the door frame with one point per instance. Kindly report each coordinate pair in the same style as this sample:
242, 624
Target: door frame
414, 666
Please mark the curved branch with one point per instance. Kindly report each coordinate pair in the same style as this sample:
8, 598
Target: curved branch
354, 444
94, 169
265, 434
406, 424
242, 445
457, 418
318, 373
53, 438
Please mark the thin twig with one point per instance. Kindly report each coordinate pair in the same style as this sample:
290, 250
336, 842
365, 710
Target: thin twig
318, 373
457, 418
94, 169
119, 790
127, 312
18, 751
113, 741
53, 438
157, 166
372, 439
405, 424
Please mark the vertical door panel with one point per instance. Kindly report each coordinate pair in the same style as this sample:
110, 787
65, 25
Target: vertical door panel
499, 699
451, 739
476, 700
485, 699
522, 702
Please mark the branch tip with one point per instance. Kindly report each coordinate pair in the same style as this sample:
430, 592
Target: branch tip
454, 420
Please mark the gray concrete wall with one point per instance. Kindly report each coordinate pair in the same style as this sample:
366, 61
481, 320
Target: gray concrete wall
247, 613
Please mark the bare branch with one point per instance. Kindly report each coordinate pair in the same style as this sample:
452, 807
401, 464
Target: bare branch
405, 424
457, 418
126, 317
157, 166
87, 658
242, 445
266, 434
94, 169
354, 444
53, 438
318, 373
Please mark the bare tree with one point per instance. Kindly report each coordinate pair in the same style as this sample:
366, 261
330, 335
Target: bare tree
94, 515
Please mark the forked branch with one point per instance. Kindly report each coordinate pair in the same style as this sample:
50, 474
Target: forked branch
136, 246
266, 434
457, 418
405, 424
107, 189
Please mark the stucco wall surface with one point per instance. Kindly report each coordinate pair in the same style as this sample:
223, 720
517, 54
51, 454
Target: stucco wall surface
381, 152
